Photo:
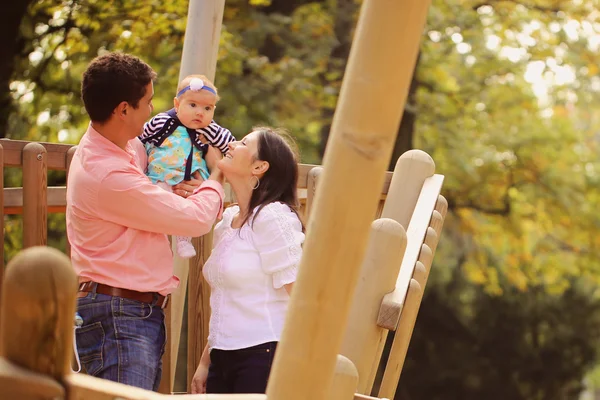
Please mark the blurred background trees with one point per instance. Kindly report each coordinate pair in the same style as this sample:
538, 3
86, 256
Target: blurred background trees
505, 97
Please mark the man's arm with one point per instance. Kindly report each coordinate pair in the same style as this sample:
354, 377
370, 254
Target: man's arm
128, 198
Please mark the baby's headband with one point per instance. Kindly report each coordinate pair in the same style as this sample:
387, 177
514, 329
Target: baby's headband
196, 84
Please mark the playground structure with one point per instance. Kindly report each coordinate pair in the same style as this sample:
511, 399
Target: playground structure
358, 278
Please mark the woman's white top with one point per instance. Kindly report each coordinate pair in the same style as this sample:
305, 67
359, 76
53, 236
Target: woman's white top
247, 271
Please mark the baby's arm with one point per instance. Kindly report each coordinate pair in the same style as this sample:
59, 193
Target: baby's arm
152, 127
217, 136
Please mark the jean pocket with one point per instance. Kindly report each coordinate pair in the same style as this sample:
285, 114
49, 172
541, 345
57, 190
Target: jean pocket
132, 309
90, 343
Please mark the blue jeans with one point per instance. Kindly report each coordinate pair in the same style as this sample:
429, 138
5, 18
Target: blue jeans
121, 340
240, 371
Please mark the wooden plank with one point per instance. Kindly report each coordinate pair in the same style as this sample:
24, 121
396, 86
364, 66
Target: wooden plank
376, 82
19, 210
417, 229
35, 182
56, 197
85, 387
19, 383
56, 153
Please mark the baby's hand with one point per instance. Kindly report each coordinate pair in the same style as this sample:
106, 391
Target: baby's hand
213, 155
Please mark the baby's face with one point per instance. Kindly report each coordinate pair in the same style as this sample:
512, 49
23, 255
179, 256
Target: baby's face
196, 109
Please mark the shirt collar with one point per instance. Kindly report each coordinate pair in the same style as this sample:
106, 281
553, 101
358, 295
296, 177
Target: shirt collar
105, 145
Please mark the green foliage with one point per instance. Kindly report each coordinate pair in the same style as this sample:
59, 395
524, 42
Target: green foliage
506, 99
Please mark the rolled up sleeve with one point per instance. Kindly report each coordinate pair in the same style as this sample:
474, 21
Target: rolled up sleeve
128, 198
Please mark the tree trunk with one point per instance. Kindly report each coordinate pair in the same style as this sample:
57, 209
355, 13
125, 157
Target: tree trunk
9, 30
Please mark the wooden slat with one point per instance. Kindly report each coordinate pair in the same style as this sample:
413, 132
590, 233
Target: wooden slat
35, 182
417, 229
57, 197
401, 341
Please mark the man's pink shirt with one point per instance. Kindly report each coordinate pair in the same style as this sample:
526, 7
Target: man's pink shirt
118, 221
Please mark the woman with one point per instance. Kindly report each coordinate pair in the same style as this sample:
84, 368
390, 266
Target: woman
253, 265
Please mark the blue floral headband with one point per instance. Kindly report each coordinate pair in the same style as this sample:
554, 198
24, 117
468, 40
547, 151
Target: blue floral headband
196, 84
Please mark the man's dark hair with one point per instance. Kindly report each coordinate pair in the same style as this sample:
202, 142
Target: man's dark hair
111, 79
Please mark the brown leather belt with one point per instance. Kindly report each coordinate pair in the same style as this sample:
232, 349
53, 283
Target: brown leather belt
145, 297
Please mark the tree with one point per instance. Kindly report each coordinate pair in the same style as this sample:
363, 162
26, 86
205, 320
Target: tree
503, 97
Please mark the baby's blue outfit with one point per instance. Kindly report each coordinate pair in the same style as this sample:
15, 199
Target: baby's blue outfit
167, 162
168, 144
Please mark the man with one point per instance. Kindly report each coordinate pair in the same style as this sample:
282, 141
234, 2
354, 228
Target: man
118, 222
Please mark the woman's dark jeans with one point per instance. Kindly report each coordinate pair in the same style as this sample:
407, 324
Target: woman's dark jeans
240, 371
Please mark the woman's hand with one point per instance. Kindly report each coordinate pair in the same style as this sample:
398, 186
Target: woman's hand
212, 157
201, 374
199, 379
186, 188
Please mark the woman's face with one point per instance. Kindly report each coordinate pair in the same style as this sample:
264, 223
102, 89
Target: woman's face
242, 157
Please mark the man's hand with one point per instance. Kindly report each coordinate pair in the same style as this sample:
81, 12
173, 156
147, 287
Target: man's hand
186, 188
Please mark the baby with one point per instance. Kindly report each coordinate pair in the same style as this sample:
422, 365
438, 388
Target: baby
173, 140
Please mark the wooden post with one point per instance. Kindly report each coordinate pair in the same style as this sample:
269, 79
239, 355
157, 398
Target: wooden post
376, 83
2, 221
345, 380
69, 158
202, 34
364, 341
35, 207
198, 306
200, 48
393, 369
311, 189
36, 328
411, 170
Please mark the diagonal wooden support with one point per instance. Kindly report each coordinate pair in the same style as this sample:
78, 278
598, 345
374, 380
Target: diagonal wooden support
376, 82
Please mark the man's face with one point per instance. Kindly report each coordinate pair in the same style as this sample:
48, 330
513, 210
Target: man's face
137, 117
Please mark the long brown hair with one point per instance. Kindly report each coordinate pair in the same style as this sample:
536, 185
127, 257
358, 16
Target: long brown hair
279, 183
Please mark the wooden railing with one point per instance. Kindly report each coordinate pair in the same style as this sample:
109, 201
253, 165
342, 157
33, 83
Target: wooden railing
35, 200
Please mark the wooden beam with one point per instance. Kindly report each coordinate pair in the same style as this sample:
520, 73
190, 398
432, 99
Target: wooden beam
57, 153
376, 82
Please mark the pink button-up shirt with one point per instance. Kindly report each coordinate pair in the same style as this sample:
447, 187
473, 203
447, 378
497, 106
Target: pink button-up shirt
118, 221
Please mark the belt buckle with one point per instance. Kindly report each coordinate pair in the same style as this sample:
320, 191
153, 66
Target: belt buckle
165, 302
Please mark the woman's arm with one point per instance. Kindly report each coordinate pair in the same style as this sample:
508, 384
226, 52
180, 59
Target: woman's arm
201, 374
288, 288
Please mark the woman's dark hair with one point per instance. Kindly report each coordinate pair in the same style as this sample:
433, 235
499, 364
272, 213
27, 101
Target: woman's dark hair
279, 183
111, 79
